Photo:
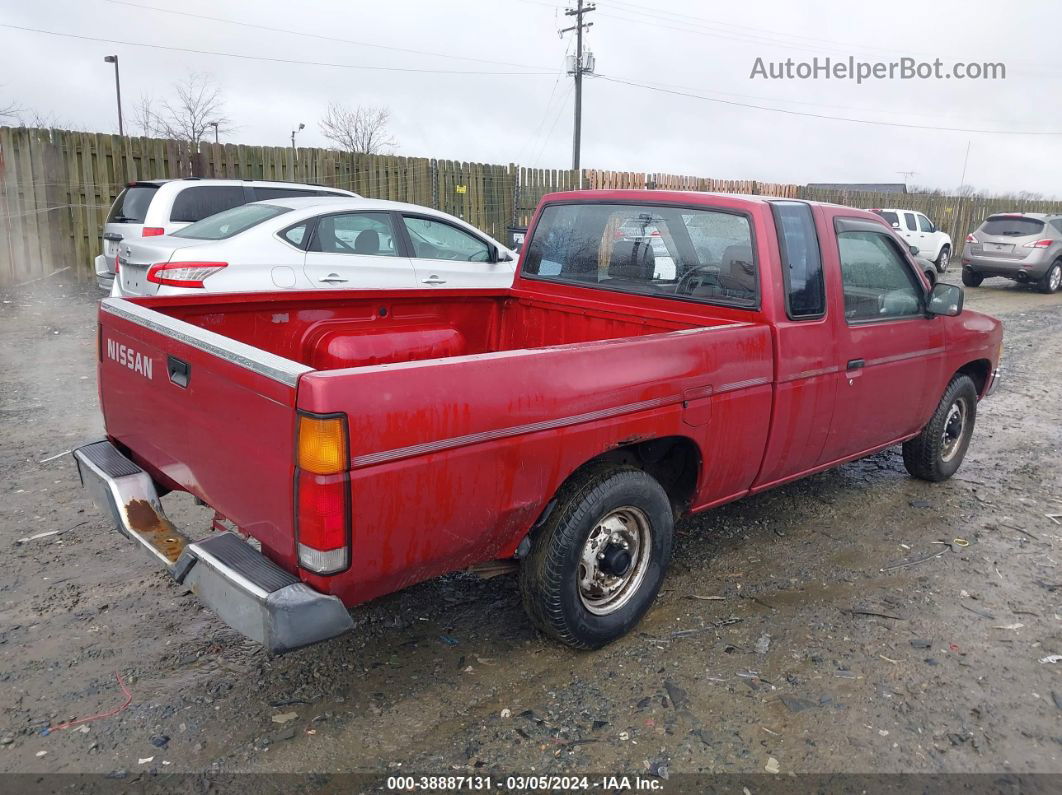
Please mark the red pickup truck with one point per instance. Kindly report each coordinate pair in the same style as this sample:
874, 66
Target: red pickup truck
658, 354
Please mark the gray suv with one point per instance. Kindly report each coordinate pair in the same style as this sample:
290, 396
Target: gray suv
1026, 247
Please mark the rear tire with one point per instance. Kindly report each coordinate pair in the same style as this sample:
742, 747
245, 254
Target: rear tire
971, 278
574, 583
937, 452
1052, 279
943, 260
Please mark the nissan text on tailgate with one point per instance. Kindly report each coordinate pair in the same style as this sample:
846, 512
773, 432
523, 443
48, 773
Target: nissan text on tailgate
659, 354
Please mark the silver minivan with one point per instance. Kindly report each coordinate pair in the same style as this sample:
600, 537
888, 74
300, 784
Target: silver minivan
1026, 247
151, 207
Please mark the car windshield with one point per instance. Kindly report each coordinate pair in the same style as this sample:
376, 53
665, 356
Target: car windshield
231, 222
131, 206
1012, 226
681, 252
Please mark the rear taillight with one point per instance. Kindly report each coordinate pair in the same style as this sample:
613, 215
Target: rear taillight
971, 239
152, 231
117, 264
1045, 243
183, 274
322, 493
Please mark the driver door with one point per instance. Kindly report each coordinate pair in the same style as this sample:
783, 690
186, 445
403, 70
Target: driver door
357, 250
448, 257
890, 354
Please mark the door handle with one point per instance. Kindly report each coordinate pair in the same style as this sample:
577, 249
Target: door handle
333, 278
433, 279
855, 364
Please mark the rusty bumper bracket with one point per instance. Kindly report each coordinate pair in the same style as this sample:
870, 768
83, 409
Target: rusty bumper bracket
249, 592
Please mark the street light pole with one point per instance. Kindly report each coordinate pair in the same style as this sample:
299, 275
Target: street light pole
294, 151
117, 90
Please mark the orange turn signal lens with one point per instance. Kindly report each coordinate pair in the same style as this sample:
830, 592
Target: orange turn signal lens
322, 445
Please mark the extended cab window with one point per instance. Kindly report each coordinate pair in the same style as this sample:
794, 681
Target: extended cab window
681, 252
367, 234
890, 217
801, 261
878, 283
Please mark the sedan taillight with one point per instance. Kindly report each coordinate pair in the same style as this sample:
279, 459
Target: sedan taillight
971, 239
183, 274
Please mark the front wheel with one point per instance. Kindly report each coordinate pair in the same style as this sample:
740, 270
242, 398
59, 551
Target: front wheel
937, 452
944, 260
1052, 280
597, 563
971, 278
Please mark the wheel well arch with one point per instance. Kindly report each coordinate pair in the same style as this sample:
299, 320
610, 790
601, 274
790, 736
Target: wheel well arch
674, 461
979, 371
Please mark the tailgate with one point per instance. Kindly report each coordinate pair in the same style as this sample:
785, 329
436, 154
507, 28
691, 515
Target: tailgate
203, 413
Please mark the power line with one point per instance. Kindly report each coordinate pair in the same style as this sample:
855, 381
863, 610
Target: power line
257, 26
693, 95
267, 58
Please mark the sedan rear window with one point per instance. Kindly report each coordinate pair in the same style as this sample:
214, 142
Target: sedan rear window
226, 224
131, 206
1012, 226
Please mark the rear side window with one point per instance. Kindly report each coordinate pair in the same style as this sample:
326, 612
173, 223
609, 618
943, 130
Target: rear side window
891, 218
672, 252
227, 223
909, 219
1012, 226
196, 203
131, 206
805, 291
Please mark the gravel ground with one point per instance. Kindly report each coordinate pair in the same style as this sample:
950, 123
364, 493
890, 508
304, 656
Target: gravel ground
789, 634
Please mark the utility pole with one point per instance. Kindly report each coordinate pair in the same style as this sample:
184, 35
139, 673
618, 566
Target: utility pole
578, 69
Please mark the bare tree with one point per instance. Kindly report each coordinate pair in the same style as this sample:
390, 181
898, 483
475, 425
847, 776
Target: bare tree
197, 104
362, 129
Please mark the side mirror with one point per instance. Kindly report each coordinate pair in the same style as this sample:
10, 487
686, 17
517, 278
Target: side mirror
497, 255
944, 299
914, 251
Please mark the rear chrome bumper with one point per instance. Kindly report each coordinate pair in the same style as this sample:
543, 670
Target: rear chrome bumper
248, 591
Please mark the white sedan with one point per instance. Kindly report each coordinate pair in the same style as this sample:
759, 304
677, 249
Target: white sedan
319, 242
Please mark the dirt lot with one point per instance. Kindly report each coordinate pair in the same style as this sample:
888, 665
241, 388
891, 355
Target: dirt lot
756, 651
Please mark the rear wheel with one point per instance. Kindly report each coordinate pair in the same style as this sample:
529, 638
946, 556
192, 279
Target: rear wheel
971, 278
1051, 280
937, 452
597, 563
944, 260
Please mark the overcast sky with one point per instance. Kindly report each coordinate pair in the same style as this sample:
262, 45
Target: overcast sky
703, 48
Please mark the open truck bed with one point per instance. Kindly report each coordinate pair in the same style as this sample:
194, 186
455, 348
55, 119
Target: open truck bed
444, 396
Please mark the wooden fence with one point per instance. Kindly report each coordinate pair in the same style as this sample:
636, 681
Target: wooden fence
56, 187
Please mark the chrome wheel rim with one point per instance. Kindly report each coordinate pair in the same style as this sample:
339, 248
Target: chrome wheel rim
1056, 277
945, 261
954, 427
623, 535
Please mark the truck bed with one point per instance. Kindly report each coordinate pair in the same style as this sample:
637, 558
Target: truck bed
342, 332
443, 394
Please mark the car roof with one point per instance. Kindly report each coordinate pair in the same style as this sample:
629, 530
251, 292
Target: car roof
1037, 216
679, 196
895, 210
349, 203
209, 181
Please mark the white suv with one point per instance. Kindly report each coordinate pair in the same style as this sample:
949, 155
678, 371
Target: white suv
919, 231
152, 207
